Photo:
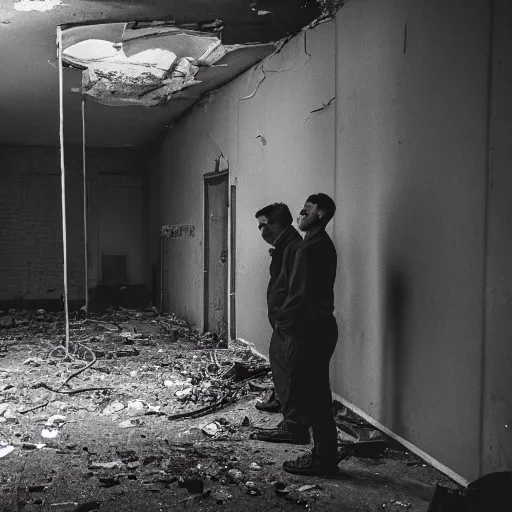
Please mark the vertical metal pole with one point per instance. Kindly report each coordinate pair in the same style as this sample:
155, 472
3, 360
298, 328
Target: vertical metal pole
86, 242
161, 273
63, 187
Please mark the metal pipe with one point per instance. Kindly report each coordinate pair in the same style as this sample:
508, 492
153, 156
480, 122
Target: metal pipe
63, 187
86, 242
161, 273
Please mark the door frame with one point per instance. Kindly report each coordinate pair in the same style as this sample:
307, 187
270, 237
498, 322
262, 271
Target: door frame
206, 249
232, 263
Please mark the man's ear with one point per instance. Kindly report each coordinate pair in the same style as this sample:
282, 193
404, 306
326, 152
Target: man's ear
322, 213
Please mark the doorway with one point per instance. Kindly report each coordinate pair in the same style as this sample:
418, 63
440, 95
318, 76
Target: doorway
121, 229
216, 253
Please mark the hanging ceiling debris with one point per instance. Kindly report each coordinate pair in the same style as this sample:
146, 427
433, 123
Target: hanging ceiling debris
153, 62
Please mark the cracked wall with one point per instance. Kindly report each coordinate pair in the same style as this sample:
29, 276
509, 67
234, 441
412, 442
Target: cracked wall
268, 162
422, 302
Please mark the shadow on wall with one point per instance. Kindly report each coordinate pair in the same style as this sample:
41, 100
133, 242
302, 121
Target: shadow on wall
394, 357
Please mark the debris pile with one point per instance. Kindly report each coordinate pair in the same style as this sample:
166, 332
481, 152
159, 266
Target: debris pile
170, 370
149, 407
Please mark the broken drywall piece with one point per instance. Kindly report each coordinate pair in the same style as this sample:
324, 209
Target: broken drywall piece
5, 450
132, 84
144, 68
53, 425
113, 408
37, 5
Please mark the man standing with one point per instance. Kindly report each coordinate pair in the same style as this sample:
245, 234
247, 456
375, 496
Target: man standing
310, 332
275, 225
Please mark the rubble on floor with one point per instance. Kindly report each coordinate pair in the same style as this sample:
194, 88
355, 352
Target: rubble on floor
191, 383
150, 414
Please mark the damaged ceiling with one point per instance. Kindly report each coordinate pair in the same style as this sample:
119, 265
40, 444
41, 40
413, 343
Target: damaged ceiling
150, 63
196, 47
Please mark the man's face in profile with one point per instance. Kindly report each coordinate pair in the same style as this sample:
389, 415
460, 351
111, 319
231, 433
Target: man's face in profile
310, 216
268, 231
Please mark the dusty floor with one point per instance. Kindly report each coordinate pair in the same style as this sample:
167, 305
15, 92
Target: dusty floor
123, 448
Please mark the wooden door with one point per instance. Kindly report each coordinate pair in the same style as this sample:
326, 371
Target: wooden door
216, 254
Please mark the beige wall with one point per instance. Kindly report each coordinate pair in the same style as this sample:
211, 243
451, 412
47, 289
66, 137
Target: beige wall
277, 151
497, 363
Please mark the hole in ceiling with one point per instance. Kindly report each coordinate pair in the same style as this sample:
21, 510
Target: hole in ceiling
150, 63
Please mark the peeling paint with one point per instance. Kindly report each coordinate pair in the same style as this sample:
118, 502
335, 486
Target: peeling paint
38, 5
324, 106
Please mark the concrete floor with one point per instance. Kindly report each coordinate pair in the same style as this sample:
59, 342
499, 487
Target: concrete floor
136, 458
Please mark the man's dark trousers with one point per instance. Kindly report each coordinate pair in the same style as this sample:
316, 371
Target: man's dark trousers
308, 354
277, 359
292, 417
282, 262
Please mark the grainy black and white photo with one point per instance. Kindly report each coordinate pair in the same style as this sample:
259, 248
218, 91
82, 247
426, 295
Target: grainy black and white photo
255, 255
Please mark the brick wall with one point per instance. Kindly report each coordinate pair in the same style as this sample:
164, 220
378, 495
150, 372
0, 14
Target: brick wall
31, 256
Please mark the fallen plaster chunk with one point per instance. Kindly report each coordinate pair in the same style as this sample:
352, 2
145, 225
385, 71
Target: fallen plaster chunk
37, 5
131, 422
68, 506
212, 429
53, 425
113, 408
5, 450
106, 465
136, 405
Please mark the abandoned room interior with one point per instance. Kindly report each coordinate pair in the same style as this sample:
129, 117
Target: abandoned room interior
138, 139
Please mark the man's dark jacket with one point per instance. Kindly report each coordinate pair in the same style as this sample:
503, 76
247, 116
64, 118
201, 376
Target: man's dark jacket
283, 257
310, 286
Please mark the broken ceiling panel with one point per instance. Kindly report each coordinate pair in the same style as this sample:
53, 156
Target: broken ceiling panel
184, 43
151, 63
130, 85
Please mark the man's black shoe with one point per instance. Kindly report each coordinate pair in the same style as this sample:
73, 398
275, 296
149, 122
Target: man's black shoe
267, 429
272, 406
306, 465
282, 434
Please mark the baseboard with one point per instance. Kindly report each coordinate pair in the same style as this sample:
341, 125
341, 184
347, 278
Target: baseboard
412, 448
